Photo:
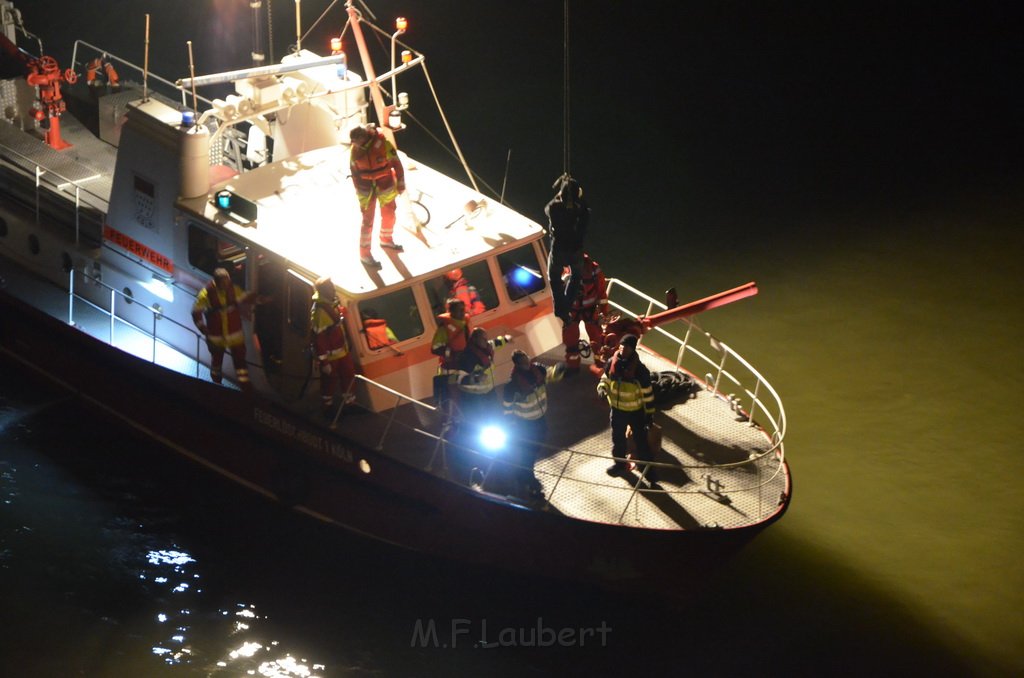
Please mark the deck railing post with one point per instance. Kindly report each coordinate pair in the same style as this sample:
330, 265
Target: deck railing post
71, 296
77, 206
39, 174
625, 508
754, 400
113, 300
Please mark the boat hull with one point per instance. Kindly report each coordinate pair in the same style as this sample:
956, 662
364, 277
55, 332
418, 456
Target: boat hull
286, 458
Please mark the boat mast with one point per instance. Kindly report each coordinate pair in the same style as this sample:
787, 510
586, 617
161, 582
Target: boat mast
371, 76
258, 57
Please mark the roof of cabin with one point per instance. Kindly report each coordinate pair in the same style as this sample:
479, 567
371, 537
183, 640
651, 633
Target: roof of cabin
308, 214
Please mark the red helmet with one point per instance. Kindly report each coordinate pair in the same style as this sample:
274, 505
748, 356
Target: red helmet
455, 275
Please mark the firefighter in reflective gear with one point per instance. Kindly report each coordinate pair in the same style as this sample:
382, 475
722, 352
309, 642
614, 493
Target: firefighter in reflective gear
459, 288
626, 383
450, 340
378, 176
525, 401
378, 334
217, 314
588, 307
451, 337
327, 327
476, 375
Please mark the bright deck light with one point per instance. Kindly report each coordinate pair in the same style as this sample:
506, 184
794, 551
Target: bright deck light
493, 438
401, 24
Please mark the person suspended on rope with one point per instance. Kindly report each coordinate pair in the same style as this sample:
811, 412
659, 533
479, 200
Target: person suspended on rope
568, 219
378, 176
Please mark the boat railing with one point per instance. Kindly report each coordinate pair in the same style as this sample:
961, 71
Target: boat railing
759, 403
141, 72
562, 482
58, 181
558, 468
140, 341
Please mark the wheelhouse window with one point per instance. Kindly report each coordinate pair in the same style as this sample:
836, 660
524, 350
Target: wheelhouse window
389, 318
472, 284
207, 252
521, 272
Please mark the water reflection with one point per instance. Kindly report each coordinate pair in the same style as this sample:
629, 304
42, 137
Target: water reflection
170, 568
183, 625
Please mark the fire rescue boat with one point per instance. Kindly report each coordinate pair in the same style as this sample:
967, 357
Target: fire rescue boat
118, 208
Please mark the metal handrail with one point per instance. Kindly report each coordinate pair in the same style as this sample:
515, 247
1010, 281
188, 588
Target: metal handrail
775, 416
135, 67
442, 440
491, 460
39, 171
155, 314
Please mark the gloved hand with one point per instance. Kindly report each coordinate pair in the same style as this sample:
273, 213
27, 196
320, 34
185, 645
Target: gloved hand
602, 390
325, 368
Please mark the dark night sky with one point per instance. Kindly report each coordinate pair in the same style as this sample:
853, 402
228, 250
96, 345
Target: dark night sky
747, 108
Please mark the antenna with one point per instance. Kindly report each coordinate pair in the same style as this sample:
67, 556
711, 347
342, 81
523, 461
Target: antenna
504, 180
192, 73
298, 26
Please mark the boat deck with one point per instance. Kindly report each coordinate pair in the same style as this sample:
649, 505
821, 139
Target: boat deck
88, 164
715, 469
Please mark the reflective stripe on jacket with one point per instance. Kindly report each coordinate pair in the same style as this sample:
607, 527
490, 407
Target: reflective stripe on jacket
220, 310
327, 324
526, 395
627, 384
376, 165
476, 369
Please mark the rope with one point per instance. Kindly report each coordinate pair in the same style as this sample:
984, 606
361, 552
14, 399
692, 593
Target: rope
270, 34
565, 88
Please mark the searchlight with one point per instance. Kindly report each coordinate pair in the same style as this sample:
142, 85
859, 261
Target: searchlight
493, 438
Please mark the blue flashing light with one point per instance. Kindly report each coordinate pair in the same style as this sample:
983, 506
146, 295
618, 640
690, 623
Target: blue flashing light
523, 276
224, 199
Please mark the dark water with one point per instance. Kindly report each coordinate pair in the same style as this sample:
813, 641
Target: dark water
860, 161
